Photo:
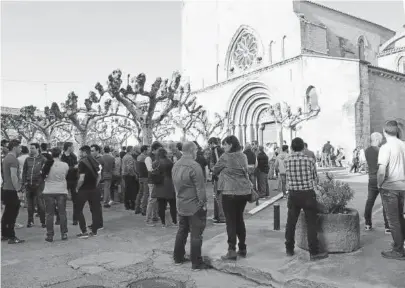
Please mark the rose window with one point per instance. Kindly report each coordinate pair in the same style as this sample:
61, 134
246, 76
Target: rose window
245, 51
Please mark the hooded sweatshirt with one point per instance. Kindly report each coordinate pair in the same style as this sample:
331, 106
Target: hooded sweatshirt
32, 170
280, 164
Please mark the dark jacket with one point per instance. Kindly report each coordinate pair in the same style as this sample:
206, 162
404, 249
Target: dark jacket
71, 160
32, 170
201, 160
166, 189
141, 166
251, 156
214, 160
263, 162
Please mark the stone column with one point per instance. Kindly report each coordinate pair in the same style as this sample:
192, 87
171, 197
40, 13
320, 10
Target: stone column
261, 135
257, 127
252, 133
245, 140
240, 133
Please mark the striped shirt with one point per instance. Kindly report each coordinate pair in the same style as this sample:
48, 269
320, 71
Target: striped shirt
301, 172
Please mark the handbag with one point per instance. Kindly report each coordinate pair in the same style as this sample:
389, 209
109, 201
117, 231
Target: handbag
254, 196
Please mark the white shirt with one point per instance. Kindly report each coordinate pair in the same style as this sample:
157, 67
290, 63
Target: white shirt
21, 161
392, 155
55, 182
148, 163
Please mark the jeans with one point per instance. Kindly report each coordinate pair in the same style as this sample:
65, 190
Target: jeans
72, 188
162, 204
282, 184
152, 208
131, 190
10, 213
93, 197
34, 191
194, 225
234, 206
141, 202
52, 201
218, 209
373, 192
263, 184
305, 200
393, 202
107, 190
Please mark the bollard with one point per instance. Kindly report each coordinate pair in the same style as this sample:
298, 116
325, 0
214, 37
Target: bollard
276, 216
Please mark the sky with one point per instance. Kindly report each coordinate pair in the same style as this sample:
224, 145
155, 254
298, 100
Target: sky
69, 46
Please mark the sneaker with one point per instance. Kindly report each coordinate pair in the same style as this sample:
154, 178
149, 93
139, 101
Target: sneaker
393, 255
319, 256
90, 227
30, 224
219, 222
388, 231
75, 223
231, 255
107, 206
202, 266
182, 261
64, 237
43, 225
4, 238
150, 224
15, 240
92, 234
111, 202
57, 222
242, 253
18, 225
289, 253
368, 228
84, 235
49, 239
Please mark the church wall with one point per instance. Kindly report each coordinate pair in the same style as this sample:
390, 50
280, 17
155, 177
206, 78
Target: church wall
391, 61
210, 27
337, 85
387, 97
344, 32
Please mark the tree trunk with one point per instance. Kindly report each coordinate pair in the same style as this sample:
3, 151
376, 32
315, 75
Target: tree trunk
184, 137
81, 139
280, 134
147, 134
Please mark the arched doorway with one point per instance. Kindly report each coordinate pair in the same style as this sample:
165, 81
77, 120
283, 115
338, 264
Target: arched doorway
248, 117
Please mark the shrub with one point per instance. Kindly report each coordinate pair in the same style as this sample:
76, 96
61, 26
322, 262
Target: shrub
333, 195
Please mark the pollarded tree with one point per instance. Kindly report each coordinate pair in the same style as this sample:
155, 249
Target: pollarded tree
83, 118
165, 129
46, 123
187, 123
283, 115
161, 99
208, 129
110, 131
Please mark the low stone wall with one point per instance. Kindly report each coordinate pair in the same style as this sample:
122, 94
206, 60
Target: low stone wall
337, 233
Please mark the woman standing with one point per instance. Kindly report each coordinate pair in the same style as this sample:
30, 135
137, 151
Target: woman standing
55, 193
164, 190
235, 187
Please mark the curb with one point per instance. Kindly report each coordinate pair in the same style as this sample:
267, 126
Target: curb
265, 204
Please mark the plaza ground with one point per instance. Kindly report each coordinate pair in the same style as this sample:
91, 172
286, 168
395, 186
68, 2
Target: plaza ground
126, 251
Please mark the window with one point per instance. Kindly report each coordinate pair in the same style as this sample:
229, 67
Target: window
360, 46
311, 99
283, 48
245, 51
271, 52
401, 65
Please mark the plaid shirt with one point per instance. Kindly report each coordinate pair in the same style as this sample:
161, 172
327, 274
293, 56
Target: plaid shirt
301, 172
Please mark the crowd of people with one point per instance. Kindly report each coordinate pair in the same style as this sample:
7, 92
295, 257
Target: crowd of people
148, 178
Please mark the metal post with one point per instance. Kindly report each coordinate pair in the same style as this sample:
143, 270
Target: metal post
276, 216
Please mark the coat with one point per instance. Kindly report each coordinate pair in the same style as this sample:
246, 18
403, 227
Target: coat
166, 189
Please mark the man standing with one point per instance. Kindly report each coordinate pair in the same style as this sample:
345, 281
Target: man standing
216, 152
177, 153
108, 167
301, 180
152, 208
10, 190
89, 177
391, 180
308, 152
71, 179
371, 155
251, 158
34, 183
326, 154
95, 152
280, 166
191, 199
116, 187
130, 178
143, 195
263, 173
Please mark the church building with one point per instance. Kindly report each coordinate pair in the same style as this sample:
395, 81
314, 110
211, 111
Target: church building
242, 57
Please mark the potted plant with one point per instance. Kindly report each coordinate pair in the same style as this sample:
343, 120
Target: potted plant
338, 226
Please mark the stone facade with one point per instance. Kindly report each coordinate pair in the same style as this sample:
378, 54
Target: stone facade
245, 63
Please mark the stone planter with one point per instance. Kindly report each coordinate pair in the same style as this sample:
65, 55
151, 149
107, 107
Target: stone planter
337, 233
